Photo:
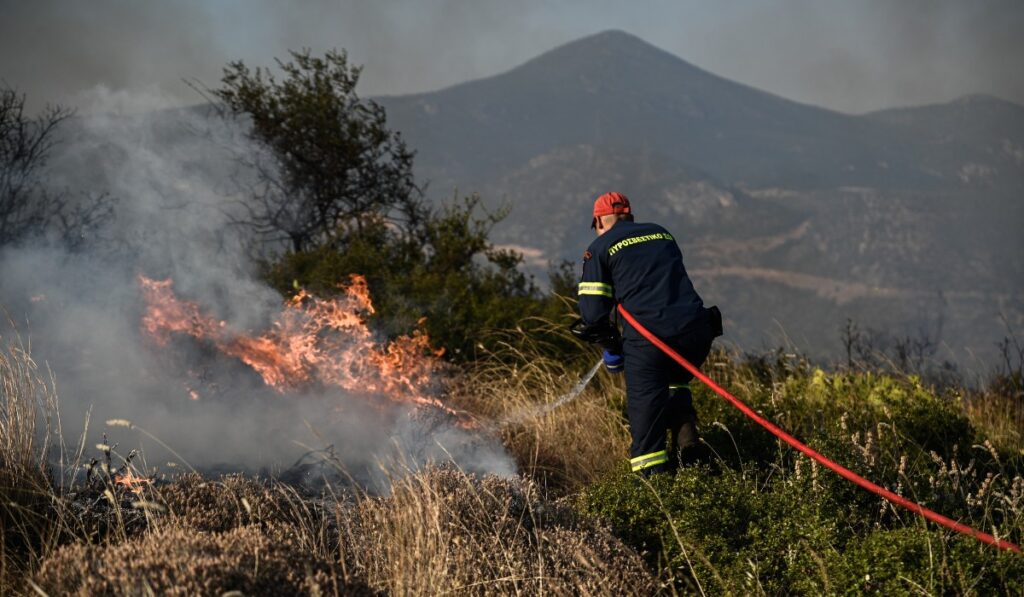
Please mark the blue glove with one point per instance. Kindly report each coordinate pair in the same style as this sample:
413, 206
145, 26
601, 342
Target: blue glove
614, 363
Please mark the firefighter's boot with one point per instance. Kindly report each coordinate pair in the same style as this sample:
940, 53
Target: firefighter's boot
690, 449
687, 436
683, 431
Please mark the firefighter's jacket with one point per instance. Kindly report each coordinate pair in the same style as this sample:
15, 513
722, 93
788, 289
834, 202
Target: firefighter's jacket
640, 266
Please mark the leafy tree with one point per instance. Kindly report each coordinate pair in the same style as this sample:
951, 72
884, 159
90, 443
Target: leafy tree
333, 164
336, 185
27, 209
448, 280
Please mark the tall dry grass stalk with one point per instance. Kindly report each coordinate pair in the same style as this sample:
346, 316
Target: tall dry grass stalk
443, 532
564, 449
27, 408
27, 403
1001, 416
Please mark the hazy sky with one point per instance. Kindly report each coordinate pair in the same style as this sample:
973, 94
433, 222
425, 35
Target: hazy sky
850, 55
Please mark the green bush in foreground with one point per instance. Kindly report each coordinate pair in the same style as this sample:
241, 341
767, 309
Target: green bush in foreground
770, 522
732, 532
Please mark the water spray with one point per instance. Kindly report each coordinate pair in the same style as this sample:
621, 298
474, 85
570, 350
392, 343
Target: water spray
544, 409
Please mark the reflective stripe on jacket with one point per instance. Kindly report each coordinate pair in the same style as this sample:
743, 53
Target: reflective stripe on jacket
640, 266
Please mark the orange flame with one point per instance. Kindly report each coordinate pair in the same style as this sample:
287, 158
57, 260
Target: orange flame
312, 341
131, 482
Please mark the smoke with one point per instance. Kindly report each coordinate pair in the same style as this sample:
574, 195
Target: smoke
81, 312
54, 49
850, 56
861, 56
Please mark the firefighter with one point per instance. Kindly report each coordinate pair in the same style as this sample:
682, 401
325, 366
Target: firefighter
641, 266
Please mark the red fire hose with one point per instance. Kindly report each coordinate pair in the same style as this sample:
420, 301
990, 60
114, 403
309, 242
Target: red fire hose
795, 443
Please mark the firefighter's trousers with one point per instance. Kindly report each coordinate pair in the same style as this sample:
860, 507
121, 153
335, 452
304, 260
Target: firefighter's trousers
658, 398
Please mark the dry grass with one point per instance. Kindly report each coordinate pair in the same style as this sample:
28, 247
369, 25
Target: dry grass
439, 532
1001, 415
27, 405
565, 449
252, 560
443, 532
25, 397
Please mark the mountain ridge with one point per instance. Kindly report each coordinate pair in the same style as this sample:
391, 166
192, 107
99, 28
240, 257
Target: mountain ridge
904, 198
615, 88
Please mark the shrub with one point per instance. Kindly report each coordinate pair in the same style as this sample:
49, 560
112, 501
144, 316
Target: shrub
449, 279
913, 560
439, 530
745, 533
772, 522
220, 505
722, 531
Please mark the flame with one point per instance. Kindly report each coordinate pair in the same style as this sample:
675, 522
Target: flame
131, 482
312, 341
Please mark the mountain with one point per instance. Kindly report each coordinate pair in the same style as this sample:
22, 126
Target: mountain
615, 89
557, 187
793, 217
975, 125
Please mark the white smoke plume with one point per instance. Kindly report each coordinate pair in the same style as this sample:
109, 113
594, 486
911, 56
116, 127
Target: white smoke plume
81, 311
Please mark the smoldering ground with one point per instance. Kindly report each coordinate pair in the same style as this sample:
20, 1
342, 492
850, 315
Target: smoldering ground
80, 312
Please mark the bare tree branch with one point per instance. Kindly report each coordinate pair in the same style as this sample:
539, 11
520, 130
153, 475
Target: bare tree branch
27, 208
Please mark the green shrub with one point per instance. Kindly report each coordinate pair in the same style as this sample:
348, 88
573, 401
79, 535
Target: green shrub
912, 561
773, 522
721, 530
745, 533
449, 279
